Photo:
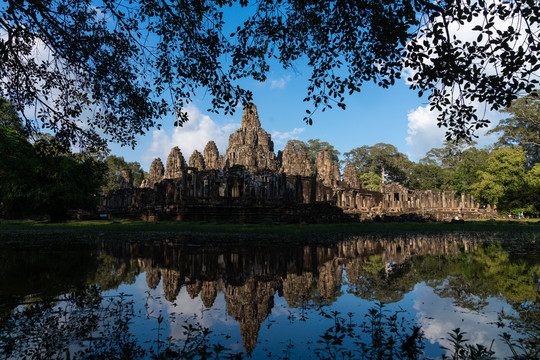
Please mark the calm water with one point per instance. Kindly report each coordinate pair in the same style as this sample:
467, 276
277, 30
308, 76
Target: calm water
307, 300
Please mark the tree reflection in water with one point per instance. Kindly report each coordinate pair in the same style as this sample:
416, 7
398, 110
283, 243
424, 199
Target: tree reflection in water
311, 278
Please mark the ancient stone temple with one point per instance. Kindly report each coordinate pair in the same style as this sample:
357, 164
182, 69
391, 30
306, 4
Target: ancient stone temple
211, 157
327, 169
295, 161
350, 176
175, 164
125, 181
251, 146
196, 160
251, 184
155, 175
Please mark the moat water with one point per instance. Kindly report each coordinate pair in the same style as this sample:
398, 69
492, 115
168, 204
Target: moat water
356, 297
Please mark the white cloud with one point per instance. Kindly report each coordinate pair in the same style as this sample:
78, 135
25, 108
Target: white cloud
182, 310
424, 134
280, 83
439, 316
280, 138
188, 310
194, 135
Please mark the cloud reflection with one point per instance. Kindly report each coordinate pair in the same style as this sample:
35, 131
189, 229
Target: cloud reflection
438, 316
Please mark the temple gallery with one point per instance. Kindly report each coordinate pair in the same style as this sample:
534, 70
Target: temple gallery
250, 184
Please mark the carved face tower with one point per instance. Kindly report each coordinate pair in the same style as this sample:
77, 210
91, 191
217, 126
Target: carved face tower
295, 161
155, 174
251, 146
250, 119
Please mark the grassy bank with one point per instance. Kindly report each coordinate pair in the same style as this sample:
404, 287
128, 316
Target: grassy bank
133, 226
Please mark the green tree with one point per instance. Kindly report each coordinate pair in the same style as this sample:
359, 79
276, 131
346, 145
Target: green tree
129, 63
299, 145
17, 160
370, 181
430, 177
380, 159
65, 181
532, 190
360, 157
44, 179
503, 180
9, 117
449, 156
522, 127
115, 165
473, 160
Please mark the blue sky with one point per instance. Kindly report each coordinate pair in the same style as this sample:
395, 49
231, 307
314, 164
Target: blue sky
395, 116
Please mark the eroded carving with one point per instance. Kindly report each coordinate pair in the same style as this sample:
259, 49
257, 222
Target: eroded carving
295, 161
175, 164
251, 146
350, 176
327, 168
196, 160
155, 175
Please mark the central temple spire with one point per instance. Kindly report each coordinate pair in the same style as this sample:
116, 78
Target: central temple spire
251, 146
250, 119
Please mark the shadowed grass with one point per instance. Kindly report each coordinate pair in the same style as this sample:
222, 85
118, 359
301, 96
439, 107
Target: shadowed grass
135, 226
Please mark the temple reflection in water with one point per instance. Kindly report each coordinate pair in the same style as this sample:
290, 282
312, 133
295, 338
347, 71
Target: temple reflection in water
250, 276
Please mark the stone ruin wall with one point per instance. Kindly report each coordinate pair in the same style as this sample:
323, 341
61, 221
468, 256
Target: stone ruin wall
250, 184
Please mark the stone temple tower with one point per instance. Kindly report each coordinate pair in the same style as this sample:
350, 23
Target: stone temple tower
251, 146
